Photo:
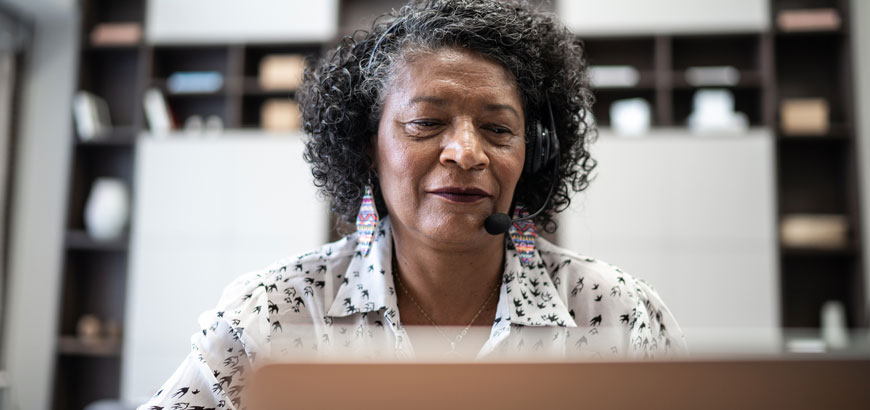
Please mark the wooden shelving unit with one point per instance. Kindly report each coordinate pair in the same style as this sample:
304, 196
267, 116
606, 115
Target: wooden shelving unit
95, 272
662, 62
815, 173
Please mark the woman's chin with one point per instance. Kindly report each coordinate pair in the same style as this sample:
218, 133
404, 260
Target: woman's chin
457, 229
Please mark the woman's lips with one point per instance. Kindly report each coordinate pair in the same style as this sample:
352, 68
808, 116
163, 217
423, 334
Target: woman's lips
461, 195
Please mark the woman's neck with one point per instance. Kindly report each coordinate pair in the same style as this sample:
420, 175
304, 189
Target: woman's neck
450, 283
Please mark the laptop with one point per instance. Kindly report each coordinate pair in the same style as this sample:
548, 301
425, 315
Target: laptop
795, 383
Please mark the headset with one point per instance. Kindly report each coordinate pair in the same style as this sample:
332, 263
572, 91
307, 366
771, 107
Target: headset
542, 152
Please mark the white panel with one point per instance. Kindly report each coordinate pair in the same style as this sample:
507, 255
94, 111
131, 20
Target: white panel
230, 21
38, 206
207, 211
861, 49
618, 17
694, 216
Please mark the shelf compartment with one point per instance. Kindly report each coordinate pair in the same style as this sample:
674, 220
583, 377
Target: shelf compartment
81, 380
781, 5
111, 11
646, 81
638, 52
739, 51
810, 280
80, 240
112, 73
848, 251
170, 59
252, 109
90, 164
746, 100
254, 54
811, 67
605, 97
251, 87
97, 48
747, 79
183, 106
839, 33
834, 24
74, 346
813, 178
95, 284
839, 132
118, 137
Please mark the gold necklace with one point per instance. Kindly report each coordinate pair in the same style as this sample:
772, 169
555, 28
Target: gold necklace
453, 341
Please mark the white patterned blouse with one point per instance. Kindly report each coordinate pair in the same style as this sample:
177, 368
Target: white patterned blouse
334, 300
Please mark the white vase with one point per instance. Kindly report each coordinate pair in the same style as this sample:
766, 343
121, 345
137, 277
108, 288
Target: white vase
107, 209
834, 329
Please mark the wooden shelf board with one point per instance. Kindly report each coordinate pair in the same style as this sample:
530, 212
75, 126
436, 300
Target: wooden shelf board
836, 132
111, 47
118, 137
811, 33
748, 79
812, 139
160, 84
218, 93
74, 346
80, 240
806, 251
646, 81
251, 86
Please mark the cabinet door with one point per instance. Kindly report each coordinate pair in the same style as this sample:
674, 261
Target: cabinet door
695, 217
594, 17
206, 212
233, 21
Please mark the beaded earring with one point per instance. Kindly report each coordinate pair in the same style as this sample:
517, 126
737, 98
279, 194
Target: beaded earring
366, 221
523, 235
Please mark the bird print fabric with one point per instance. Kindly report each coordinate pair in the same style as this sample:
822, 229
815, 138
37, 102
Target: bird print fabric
337, 301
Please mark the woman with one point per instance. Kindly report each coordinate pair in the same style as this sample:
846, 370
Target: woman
447, 113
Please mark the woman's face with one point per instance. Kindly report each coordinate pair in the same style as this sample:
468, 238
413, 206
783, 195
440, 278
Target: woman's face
450, 145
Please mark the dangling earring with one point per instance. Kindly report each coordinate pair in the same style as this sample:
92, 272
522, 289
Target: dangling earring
523, 236
366, 222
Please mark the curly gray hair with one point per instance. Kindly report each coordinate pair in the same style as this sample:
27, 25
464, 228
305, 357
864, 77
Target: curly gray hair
342, 95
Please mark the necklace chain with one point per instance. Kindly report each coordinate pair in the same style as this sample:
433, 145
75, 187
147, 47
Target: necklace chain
453, 341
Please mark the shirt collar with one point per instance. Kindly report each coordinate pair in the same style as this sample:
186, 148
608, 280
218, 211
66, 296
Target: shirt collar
528, 296
529, 292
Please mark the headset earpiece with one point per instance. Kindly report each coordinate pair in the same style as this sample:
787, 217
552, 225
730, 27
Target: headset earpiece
542, 147
533, 149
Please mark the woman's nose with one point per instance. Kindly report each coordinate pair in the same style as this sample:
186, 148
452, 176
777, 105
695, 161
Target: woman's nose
465, 147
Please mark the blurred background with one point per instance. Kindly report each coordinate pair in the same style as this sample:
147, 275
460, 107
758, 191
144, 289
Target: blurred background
150, 152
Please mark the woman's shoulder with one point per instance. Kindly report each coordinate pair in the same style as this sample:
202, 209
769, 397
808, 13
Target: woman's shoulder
600, 294
288, 281
567, 266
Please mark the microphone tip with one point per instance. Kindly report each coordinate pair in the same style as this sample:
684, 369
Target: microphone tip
497, 224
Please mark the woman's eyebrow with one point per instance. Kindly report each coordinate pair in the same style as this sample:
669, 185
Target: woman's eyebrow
443, 102
502, 107
429, 99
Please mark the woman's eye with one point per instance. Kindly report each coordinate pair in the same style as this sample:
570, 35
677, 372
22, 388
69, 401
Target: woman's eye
499, 130
425, 123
